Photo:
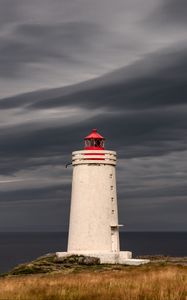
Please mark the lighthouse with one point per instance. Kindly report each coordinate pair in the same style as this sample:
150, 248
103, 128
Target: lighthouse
93, 223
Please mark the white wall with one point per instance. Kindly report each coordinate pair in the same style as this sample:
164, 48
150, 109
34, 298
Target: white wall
93, 204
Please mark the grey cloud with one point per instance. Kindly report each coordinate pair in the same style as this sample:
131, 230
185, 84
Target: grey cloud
164, 83
41, 212
9, 12
170, 215
36, 194
170, 13
49, 44
145, 111
37, 43
151, 193
157, 80
140, 108
174, 11
134, 135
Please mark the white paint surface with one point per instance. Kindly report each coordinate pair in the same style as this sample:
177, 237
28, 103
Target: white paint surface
93, 203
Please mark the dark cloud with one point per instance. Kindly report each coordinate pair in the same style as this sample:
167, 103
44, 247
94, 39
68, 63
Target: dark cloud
157, 80
36, 194
140, 107
170, 13
35, 43
144, 114
163, 84
134, 135
174, 11
35, 209
177, 190
169, 215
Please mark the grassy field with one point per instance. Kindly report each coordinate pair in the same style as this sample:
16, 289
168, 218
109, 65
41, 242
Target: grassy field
148, 282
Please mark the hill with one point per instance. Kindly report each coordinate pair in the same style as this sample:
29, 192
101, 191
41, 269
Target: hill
83, 278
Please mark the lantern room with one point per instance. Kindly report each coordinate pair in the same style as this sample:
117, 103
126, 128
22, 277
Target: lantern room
94, 141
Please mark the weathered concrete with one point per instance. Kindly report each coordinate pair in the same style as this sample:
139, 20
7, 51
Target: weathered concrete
94, 216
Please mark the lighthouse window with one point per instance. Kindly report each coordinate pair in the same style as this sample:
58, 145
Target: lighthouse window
87, 143
110, 175
112, 199
111, 187
92, 142
112, 211
97, 143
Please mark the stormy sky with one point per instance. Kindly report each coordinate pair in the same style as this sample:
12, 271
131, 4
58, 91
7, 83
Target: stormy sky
69, 66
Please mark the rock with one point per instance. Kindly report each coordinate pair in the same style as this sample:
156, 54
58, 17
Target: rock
89, 261
78, 260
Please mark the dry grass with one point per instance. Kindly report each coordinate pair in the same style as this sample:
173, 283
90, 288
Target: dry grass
131, 283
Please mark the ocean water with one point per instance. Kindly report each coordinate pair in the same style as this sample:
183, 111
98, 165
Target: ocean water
16, 248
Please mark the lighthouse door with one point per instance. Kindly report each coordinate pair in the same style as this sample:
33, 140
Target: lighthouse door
114, 240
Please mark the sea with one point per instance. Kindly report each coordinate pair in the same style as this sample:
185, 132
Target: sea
21, 247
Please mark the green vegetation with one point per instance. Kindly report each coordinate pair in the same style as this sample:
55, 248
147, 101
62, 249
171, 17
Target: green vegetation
83, 278
50, 263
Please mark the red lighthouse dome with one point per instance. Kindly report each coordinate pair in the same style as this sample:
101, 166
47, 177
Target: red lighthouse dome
94, 141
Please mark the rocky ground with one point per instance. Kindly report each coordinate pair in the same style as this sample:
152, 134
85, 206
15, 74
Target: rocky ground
75, 263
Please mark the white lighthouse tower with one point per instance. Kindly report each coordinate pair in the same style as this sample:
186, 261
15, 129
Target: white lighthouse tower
93, 226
